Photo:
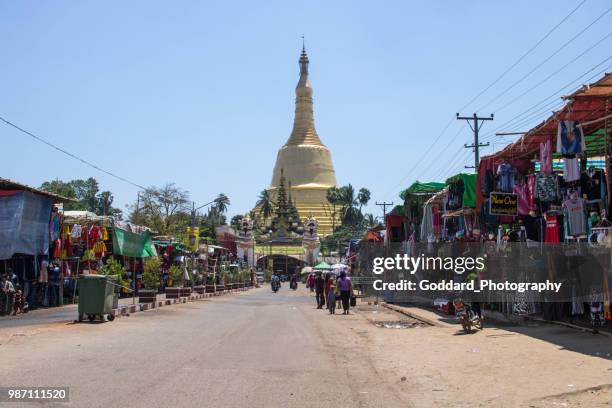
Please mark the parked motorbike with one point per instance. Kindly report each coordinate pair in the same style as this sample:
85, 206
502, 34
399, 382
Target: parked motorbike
597, 315
466, 316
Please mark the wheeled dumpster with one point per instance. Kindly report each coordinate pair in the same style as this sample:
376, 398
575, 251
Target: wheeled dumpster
97, 297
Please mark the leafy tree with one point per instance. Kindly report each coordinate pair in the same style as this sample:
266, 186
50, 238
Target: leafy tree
87, 193
236, 220
163, 209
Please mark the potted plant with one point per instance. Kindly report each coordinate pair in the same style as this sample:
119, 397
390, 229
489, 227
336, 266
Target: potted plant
150, 279
176, 282
113, 268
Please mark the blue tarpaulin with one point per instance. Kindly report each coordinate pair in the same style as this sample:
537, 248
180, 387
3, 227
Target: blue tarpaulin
24, 223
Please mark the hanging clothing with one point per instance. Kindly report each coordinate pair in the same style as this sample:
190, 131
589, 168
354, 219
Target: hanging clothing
592, 183
570, 139
76, 232
576, 216
551, 234
523, 204
545, 158
571, 169
506, 173
547, 187
530, 192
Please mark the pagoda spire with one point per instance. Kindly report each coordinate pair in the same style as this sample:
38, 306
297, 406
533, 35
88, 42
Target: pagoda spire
304, 132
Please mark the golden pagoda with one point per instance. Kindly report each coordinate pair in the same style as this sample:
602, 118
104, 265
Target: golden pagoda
305, 161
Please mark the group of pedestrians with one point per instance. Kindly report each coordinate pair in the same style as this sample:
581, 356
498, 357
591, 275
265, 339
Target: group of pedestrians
11, 296
329, 291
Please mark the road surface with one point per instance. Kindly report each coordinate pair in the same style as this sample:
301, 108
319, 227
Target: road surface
260, 349
255, 349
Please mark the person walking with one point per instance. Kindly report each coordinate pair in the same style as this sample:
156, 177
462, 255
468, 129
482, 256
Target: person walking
7, 292
331, 298
320, 291
311, 282
346, 288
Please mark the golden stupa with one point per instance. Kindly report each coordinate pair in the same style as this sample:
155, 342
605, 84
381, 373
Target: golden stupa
305, 161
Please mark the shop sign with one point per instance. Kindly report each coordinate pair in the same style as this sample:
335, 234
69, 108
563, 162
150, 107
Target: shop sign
503, 204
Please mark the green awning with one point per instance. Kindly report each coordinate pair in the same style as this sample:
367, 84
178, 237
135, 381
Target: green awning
131, 244
417, 188
322, 266
469, 187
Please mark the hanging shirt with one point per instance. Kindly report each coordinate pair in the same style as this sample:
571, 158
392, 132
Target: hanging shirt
76, 231
571, 169
545, 158
521, 191
547, 187
570, 139
576, 217
506, 173
592, 183
551, 234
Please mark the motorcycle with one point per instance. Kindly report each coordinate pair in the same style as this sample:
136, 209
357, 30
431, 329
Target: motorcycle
597, 315
293, 285
275, 286
466, 316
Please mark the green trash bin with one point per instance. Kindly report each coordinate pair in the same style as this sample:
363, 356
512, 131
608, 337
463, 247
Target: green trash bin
97, 297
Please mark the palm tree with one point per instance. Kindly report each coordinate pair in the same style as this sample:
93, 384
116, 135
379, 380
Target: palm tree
370, 221
363, 197
221, 203
265, 204
349, 204
333, 197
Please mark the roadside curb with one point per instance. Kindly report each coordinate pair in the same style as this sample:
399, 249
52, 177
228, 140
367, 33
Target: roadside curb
141, 307
402, 310
569, 325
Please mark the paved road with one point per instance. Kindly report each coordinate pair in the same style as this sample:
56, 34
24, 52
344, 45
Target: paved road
255, 349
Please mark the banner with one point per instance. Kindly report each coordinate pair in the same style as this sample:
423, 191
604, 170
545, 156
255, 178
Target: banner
131, 244
503, 204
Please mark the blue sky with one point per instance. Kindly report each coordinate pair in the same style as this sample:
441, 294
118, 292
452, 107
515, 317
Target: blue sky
202, 94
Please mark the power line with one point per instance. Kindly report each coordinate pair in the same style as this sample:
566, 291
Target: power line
489, 86
553, 95
553, 74
522, 57
546, 59
67, 153
421, 159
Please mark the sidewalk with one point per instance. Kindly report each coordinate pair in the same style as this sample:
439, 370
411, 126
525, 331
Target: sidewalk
69, 313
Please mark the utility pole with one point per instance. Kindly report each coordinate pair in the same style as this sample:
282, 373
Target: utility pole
384, 205
476, 125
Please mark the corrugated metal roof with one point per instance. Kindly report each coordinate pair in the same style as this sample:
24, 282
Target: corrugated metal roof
6, 184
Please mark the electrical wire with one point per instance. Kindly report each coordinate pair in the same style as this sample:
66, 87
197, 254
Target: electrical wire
554, 96
552, 74
521, 79
522, 57
74, 156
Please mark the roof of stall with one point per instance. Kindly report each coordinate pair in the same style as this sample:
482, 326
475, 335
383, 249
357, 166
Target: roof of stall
588, 103
418, 188
6, 184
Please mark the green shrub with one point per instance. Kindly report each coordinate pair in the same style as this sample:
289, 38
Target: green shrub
176, 275
151, 273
